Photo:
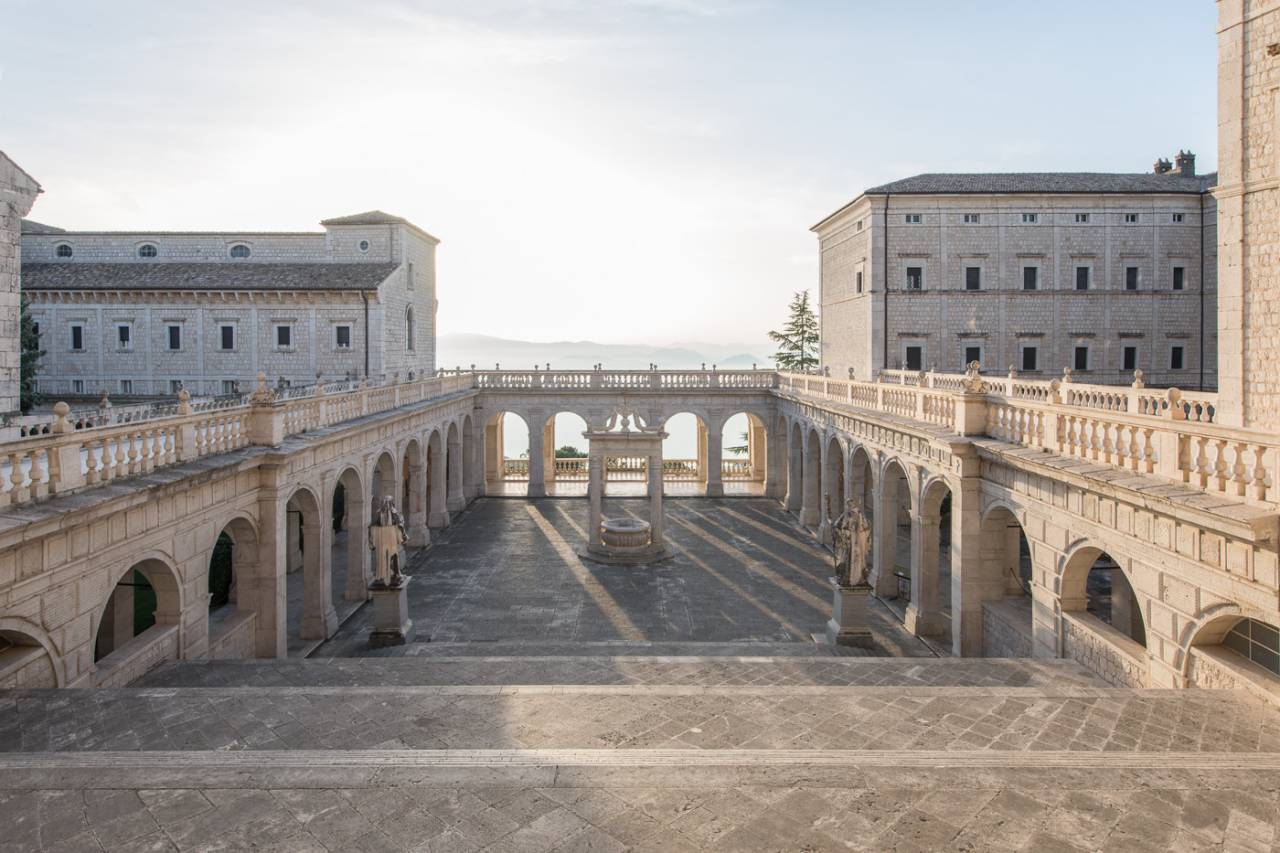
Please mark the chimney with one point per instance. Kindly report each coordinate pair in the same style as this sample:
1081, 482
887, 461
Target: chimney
1162, 166
1186, 163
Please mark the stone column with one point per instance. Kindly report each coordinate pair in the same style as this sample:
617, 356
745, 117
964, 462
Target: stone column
263, 589
294, 552
656, 521
319, 619
455, 502
884, 539
473, 467
701, 452
359, 570
714, 463
922, 616
795, 475
810, 501
415, 513
824, 493
549, 454
595, 492
437, 514
537, 476
493, 455
970, 584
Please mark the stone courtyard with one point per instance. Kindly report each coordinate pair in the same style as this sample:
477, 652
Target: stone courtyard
550, 703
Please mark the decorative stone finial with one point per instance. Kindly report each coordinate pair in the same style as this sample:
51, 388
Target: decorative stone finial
105, 402
1013, 372
1067, 374
262, 394
972, 381
1138, 381
61, 409
184, 401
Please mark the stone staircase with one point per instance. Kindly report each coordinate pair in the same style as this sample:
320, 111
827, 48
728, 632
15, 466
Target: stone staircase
617, 746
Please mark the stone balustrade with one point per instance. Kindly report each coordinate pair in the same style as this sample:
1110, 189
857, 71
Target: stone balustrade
1166, 432
620, 380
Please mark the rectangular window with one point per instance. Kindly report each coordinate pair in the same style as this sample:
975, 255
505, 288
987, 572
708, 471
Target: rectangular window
175, 385
1029, 358
1082, 218
284, 337
1175, 357
175, 337
77, 386
1130, 278
77, 338
1179, 278
1177, 217
912, 218
1030, 218
1130, 361
973, 278
126, 386
972, 354
857, 226
342, 334
230, 386
124, 336
915, 278
1131, 218
228, 337
1082, 278
972, 218
1030, 278
914, 358
1082, 358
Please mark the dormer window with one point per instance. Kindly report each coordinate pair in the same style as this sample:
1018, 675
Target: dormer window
240, 250
63, 251
147, 250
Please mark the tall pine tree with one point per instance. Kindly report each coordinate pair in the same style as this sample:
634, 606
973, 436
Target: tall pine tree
798, 340
29, 359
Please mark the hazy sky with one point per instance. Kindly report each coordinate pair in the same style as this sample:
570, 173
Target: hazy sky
638, 170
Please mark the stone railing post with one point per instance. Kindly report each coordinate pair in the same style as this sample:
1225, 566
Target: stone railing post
264, 425
971, 413
187, 449
66, 456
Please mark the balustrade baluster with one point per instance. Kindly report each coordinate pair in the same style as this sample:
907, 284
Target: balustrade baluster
17, 494
1221, 471
1202, 461
1239, 474
39, 476
91, 462
1259, 473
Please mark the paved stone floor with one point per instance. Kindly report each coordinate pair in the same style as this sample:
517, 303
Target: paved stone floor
508, 570
552, 704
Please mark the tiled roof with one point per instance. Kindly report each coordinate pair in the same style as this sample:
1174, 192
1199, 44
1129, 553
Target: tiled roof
72, 275
30, 226
1046, 182
374, 217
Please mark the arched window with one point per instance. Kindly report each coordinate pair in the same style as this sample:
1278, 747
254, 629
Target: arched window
364, 245
63, 250
240, 251
408, 335
147, 250
1257, 641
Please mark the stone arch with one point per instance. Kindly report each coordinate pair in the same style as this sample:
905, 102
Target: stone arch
929, 612
1210, 655
129, 619
677, 466
834, 484
556, 469
1103, 625
811, 499
454, 499
21, 665
437, 515
1004, 584
350, 510
307, 550
862, 479
382, 476
233, 568
472, 465
896, 509
745, 451
503, 463
795, 467
411, 497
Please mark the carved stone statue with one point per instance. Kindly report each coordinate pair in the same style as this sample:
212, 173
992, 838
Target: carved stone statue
386, 537
852, 545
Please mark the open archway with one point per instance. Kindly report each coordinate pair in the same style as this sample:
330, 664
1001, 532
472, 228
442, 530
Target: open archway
506, 454
413, 493
311, 614
1005, 586
234, 559
472, 476
564, 454
811, 499
833, 484
929, 611
1234, 651
795, 469
745, 454
454, 500
348, 549
138, 627
893, 537
1103, 626
25, 662
437, 514
684, 457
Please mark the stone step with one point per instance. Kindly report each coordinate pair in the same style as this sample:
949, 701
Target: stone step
613, 648
1054, 717
623, 669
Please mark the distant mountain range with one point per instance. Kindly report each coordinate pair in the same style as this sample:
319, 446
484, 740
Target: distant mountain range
485, 351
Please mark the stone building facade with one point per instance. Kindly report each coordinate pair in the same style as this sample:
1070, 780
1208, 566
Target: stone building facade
18, 192
1102, 273
1248, 196
145, 313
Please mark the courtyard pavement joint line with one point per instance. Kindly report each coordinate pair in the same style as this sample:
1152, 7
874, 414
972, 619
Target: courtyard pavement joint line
497, 758
1033, 692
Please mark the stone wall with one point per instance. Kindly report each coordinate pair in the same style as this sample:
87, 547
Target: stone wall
137, 657
1001, 318
26, 667
1219, 668
1249, 198
17, 193
233, 638
1103, 650
1006, 629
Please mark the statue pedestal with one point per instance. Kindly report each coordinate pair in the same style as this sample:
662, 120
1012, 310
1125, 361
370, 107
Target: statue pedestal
391, 623
849, 615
